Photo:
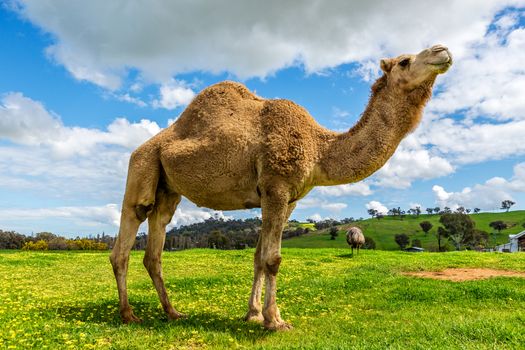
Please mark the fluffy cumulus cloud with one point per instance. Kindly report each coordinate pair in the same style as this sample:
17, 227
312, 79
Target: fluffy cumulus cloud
27, 122
358, 189
377, 206
409, 164
95, 41
108, 214
48, 159
174, 94
486, 196
315, 202
188, 213
477, 113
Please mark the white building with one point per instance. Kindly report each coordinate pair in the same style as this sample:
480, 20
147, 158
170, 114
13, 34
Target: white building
516, 244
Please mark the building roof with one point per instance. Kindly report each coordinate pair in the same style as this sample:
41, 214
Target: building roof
517, 235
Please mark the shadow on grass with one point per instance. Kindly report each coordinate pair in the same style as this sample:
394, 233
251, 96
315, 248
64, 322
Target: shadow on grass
345, 256
153, 318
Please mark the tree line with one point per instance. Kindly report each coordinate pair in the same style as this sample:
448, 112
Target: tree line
50, 241
416, 211
217, 233
457, 228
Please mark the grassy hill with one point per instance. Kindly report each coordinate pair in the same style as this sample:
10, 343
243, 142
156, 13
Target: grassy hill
68, 300
384, 230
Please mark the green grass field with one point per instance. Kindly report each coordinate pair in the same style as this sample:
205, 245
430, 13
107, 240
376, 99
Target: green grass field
61, 300
384, 230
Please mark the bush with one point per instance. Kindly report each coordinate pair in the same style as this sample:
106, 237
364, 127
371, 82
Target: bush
333, 232
38, 245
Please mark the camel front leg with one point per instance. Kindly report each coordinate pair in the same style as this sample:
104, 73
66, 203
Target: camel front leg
275, 209
254, 304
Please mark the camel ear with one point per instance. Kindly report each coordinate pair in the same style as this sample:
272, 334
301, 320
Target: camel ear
386, 64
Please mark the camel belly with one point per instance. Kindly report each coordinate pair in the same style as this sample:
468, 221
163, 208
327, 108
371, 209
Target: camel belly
212, 176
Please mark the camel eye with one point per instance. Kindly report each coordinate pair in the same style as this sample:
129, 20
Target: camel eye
404, 63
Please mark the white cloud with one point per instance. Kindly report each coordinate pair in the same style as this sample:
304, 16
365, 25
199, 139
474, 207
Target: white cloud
475, 143
85, 217
355, 189
82, 220
49, 160
174, 94
409, 164
317, 217
415, 205
314, 202
377, 206
130, 99
487, 196
95, 41
484, 89
488, 81
27, 122
188, 213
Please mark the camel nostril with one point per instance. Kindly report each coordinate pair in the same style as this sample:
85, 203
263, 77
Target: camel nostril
438, 48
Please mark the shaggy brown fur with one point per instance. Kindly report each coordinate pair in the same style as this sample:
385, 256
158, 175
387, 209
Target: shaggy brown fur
355, 238
231, 149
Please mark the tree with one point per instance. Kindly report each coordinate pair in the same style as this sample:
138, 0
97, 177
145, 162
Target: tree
333, 232
417, 211
468, 210
437, 210
477, 239
460, 210
416, 243
372, 212
506, 204
447, 210
218, 240
402, 240
440, 234
476, 210
426, 226
457, 227
498, 225
430, 211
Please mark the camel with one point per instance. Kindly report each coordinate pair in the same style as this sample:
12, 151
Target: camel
355, 238
231, 149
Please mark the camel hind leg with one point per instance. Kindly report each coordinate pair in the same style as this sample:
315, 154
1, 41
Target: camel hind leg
165, 205
141, 186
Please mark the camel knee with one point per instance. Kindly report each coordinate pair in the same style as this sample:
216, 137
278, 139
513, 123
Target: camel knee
151, 263
272, 264
118, 261
142, 211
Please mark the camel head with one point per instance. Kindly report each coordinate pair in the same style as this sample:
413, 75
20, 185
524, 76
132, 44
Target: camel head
408, 72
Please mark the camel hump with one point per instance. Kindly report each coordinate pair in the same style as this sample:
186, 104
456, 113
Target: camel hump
228, 90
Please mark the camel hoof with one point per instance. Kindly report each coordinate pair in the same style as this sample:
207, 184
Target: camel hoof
172, 316
254, 317
129, 317
278, 326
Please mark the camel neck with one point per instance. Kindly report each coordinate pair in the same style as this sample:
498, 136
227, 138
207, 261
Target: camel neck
389, 117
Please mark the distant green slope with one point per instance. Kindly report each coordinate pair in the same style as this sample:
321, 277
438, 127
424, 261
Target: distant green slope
384, 230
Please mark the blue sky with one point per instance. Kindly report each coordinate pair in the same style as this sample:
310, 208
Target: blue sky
82, 85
